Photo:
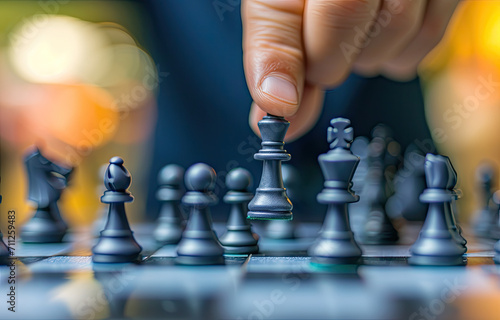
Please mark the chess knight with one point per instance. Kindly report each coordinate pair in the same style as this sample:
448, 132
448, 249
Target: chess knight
46, 182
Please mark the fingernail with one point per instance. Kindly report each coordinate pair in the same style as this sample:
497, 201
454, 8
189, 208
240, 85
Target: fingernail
280, 89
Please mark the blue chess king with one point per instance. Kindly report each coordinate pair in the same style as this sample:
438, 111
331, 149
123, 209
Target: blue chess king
336, 244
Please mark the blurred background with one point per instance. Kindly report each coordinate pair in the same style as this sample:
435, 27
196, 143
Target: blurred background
160, 82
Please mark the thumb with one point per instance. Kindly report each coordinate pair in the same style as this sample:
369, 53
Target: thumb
273, 55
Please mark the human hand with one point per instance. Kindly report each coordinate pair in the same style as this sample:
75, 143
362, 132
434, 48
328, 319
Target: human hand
294, 50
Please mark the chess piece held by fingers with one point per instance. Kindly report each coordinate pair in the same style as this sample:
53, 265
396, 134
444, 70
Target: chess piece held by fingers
46, 182
116, 243
270, 201
285, 229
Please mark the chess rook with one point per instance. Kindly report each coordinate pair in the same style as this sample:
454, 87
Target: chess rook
336, 244
270, 201
436, 244
116, 243
46, 182
239, 238
171, 219
199, 244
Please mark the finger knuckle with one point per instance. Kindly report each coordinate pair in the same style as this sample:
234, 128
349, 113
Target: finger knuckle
342, 13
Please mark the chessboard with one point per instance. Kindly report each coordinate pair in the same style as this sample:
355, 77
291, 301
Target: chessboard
59, 281
259, 263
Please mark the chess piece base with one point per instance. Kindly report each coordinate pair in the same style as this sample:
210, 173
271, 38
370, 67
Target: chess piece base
105, 258
198, 248
256, 215
335, 261
441, 249
43, 228
342, 250
199, 260
437, 261
116, 248
241, 241
241, 249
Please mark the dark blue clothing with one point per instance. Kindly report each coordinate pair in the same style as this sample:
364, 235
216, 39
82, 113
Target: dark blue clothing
204, 102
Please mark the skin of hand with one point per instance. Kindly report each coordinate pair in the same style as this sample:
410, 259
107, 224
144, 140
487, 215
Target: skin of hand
294, 50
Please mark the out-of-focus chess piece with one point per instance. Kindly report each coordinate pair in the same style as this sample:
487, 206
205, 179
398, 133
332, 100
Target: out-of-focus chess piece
46, 182
409, 183
170, 224
486, 217
378, 228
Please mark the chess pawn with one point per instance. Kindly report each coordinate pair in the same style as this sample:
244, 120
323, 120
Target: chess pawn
199, 244
116, 243
484, 218
436, 244
239, 238
46, 182
378, 228
270, 200
171, 219
336, 244
285, 229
